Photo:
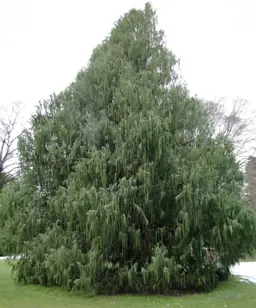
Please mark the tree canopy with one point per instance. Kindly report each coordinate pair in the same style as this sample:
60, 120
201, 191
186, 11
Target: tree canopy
124, 186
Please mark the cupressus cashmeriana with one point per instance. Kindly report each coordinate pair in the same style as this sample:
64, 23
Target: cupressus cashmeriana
125, 186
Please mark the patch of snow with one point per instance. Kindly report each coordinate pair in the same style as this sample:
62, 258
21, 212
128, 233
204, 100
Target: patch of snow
246, 271
5, 258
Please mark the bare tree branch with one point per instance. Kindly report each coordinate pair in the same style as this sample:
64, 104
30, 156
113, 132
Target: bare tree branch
238, 124
10, 131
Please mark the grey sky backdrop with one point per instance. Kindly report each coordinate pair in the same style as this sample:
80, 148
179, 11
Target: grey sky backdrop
44, 43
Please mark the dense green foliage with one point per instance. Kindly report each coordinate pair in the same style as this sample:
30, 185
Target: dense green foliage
6, 178
2, 180
125, 186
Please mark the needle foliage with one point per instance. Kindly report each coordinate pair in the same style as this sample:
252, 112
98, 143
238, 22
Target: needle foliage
125, 185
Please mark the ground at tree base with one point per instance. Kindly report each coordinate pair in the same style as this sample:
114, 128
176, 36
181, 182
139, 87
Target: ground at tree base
229, 294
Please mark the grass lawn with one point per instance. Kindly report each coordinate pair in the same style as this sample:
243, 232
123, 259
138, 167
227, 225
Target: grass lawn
229, 294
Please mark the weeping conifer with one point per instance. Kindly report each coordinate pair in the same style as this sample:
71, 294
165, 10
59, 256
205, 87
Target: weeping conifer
124, 185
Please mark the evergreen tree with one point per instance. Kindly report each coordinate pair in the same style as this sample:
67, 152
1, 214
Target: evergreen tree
124, 187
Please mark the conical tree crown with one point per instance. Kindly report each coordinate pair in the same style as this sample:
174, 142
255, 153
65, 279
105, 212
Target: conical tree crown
124, 186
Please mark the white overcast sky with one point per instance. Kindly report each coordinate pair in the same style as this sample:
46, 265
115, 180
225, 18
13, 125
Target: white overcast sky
44, 43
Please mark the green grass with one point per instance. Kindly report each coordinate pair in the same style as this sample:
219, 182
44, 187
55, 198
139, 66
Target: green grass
229, 294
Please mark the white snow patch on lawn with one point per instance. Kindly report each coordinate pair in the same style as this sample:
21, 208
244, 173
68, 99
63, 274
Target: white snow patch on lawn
245, 271
5, 258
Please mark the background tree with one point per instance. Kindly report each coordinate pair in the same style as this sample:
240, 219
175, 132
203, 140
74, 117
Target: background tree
9, 133
250, 188
236, 123
124, 186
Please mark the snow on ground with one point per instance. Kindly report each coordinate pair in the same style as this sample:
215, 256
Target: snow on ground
245, 270
5, 258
